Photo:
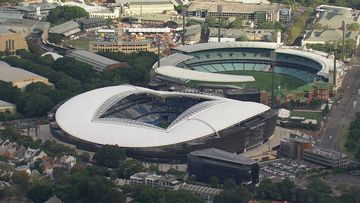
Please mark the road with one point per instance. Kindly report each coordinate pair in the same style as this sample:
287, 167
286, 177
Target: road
343, 113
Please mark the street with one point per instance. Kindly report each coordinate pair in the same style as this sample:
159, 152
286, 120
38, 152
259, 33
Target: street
343, 113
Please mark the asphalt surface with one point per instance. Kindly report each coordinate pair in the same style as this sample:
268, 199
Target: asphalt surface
343, 113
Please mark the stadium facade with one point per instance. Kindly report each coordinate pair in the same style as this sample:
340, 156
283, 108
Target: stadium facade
229, 57
160, 126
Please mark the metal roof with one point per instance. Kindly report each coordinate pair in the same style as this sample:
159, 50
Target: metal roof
92, 57
9, 74
223, 156
226, 45
187, 74
76, 117
65, 27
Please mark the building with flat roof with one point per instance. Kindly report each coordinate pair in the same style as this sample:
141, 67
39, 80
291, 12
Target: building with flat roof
153, 180
99, 63
36, 11
67, 29
11, 41
24, 26
7, 107
112, 13
147, 7
294, 147
19, 77
250, 34
122, 46
326, 157
212, 162
331, 17
258, 13
193, 33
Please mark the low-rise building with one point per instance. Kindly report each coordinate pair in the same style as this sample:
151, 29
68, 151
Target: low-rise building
99, 63
67, 161
7, 107
92, 23
257, 13
122, 46
11, 41
153, 180
294, 147
323, 36
19, 77
212, 162
112, 14
140, 7
206, 193
326, 157
24, 26
250, 34
67, 29
193, 33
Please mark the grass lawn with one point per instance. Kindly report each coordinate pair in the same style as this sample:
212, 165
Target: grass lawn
263, 80
82, 43
309, 115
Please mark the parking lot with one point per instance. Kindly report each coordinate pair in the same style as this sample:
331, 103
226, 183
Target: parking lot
285, 168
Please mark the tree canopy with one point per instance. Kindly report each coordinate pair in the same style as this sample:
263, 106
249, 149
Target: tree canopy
109, 156
65, 13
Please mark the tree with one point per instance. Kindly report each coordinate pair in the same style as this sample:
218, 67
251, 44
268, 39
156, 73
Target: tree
213, 181
40, 192
65, 13
228, 196
37, 105
326, 110
237, 23
354, 27
229, 183
55, 38
211, 21
20, 178
109, 156
242, 38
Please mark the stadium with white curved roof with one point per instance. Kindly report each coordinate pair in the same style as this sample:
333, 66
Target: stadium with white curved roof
226, 57
162, 126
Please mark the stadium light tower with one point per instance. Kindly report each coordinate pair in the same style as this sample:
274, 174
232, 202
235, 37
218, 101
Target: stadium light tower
219, 11
158, 47
334, 76
343, 40
183, 13
273, 59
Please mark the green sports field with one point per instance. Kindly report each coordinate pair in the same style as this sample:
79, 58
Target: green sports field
263, 80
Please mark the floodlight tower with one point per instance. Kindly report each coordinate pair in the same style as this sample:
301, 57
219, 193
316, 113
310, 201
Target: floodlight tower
273, 59
334, 76
219, 11
343, 40
183, 12
158, 48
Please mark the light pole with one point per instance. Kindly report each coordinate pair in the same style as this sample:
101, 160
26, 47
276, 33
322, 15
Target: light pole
158, 46
334, 76
183, 12
273, 59
219, 11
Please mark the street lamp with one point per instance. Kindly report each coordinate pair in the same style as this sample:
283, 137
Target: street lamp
219, 11
334, 76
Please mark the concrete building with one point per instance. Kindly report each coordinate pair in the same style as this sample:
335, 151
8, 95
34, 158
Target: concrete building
193, 33
122, 46
67, 29
7, 107
35, 11
294, 147
19, 77
140, 7
98, 62
258, 13
157, 19
212, 162
10, 41
171, 182
24, 26
323, 36
326, 157
153, 180
113, 13
331, 17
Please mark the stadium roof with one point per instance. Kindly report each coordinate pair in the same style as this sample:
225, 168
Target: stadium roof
223, 155
77, 118
10, 74
226, 45
187, 74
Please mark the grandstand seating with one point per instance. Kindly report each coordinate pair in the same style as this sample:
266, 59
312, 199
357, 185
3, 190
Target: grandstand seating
150, 109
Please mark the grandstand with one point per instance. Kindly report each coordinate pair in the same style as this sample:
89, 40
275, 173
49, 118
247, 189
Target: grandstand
161, 126
223, 57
